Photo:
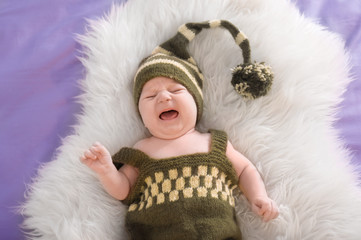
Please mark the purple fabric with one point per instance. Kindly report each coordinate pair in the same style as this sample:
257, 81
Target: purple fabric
39, 71
344, 18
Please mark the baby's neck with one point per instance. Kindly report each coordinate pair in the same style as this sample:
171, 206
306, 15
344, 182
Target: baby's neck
189, 143
192, 132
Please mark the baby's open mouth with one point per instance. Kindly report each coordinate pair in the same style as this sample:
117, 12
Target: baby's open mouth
168, 115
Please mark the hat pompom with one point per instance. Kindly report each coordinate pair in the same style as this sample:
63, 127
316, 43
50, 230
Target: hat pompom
252, 80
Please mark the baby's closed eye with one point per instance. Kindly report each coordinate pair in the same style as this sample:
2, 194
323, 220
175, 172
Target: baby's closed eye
150, 96
178, 90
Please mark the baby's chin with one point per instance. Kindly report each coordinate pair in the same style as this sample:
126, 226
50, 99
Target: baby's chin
171, 132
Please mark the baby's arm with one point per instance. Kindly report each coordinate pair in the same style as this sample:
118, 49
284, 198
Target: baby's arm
251, 184
116, 183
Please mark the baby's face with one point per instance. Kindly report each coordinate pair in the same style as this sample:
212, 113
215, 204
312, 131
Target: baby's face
167, 108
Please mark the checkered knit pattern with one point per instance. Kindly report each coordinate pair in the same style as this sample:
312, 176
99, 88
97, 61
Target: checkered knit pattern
182, 197
187, 182
172, 59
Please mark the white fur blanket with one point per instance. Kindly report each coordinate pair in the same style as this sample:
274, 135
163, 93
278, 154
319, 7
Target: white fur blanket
287, 134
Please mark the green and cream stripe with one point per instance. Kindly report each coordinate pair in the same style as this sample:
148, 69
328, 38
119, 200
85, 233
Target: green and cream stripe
175, 68
172, 59
187, 32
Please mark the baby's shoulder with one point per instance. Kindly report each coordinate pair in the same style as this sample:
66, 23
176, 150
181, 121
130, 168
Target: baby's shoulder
142, 144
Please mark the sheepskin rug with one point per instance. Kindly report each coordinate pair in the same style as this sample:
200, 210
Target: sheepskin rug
288, 134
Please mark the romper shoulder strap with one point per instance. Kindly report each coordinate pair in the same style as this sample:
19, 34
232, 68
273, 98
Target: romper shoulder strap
219, 141
219, 148
129, 156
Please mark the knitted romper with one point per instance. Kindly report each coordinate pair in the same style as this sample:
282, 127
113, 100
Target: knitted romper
182, 197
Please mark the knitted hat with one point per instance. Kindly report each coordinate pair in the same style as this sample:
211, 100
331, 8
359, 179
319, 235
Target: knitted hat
171, 59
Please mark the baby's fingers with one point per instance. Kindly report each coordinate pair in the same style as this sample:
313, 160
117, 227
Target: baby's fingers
82, 158
271, 213
99, 150
267, 216
86, 159
263, 207
90, 154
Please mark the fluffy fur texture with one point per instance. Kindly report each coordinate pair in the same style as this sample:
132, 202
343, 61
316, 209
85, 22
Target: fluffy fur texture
287, 134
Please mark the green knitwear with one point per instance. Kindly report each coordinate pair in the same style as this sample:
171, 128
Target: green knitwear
183, 197
175, 68
172, 59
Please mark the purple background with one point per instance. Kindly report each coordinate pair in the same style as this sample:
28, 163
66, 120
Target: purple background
39, 73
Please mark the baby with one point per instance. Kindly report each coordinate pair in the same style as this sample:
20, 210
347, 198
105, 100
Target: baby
179, 182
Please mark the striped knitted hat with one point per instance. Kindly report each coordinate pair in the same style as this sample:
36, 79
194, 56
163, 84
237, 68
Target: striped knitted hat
171, 59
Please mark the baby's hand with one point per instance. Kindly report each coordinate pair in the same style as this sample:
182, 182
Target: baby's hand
98, 158
265, 207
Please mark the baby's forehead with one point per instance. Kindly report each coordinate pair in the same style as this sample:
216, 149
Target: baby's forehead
158, 82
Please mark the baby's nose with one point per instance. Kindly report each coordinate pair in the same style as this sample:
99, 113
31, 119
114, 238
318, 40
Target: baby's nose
164, 96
